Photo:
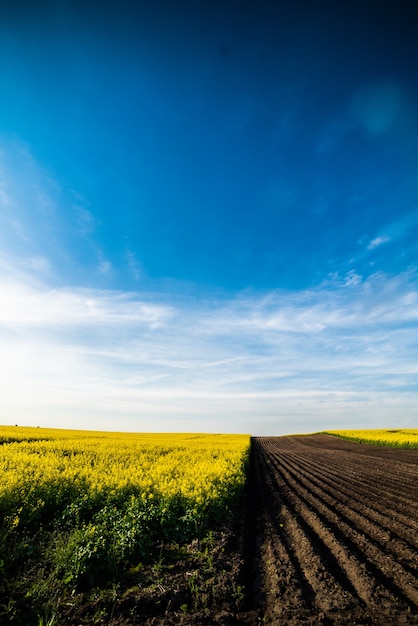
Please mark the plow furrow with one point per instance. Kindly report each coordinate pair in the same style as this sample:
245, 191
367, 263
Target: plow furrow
329, 553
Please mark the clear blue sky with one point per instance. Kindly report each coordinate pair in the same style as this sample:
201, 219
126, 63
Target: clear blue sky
209, 215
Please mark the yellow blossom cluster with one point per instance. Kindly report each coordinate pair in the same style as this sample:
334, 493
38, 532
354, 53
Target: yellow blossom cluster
398, 438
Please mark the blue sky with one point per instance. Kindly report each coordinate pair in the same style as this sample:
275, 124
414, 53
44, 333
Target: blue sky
209, 215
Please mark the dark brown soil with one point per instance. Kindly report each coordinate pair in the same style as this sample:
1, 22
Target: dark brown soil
336, 533
194, 584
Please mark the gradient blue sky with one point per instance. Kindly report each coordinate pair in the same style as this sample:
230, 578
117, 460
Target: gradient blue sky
209, 215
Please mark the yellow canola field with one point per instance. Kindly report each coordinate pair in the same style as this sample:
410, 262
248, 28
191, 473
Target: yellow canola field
103, 501
398, 438
199, 467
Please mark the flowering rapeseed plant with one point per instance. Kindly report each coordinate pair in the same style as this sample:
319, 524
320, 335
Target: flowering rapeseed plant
115, 495
398, 438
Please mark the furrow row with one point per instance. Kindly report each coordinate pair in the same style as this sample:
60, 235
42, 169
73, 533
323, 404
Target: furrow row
353, 507
285, 588
338, 544
365, 494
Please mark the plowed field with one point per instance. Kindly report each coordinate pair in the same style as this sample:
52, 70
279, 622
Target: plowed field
336, 532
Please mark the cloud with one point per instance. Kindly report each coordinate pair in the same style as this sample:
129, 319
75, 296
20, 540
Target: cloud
400, 228
341, 354
105, 267
29, 220
40, 220
47, 309
352, 278
378, 241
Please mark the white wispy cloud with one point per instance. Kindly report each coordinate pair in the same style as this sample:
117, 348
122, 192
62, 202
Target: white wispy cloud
341, 354
48, 309
378, 241
40, 222
105, 266
396, 231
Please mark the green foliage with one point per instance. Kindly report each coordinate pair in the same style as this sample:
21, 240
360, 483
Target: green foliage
94, 553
